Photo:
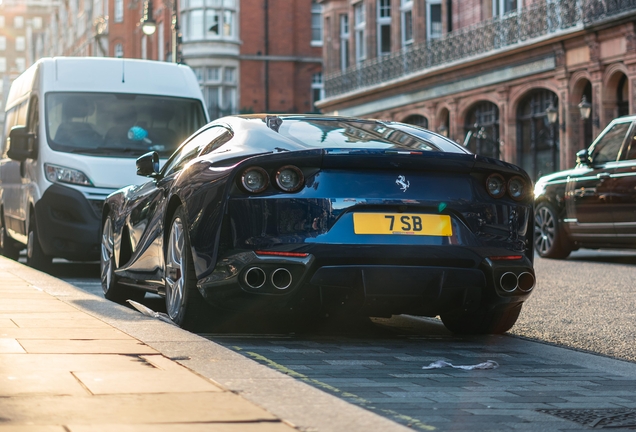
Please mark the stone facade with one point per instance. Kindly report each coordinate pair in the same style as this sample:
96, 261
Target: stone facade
484, 88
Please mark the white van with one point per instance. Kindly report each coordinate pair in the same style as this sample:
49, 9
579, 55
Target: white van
73, 129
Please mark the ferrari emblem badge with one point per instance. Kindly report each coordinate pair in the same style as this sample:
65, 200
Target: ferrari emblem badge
403, 183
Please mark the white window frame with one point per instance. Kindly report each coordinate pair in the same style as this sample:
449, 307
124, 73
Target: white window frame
382, 22
360, 24
498, 8
405, 8
20, 43
20, 64
118, 51
316, 9
3, 64
3, 43
317, 83
344, 41
222, 14
119, 11
18, 21
429, 33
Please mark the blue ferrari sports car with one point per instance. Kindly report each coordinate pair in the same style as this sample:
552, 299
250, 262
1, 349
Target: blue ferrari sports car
302, 214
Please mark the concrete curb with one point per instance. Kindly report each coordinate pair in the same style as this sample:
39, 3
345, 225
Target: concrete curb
297, 403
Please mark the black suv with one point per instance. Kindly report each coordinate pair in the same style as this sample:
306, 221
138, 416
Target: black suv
592, 205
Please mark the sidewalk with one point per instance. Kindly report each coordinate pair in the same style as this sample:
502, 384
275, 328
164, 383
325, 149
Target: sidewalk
70, 361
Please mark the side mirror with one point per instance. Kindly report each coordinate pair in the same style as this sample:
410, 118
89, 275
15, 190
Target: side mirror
22, 144
148, 164
583, 157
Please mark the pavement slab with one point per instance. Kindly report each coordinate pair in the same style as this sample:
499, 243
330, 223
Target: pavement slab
10, 346
186, 427
49, 346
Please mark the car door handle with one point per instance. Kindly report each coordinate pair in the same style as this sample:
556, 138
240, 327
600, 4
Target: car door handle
602, 176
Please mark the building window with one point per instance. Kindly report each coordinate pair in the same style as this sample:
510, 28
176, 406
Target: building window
119, 11
212, 19
220, 96
199, 72
37, 22
503, 7
406, 11
119, 51
433, 19
384, 27
344, 42
317, 89
229, 75
20, 64
360, 32
144, 47
3, 64
3, 43
19, 43
18, 22
316, 24
160, 42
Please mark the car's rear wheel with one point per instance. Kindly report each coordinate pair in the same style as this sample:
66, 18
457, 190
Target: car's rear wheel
549, 239
185, 305
8, 247
113, 291
482, 321
35, 256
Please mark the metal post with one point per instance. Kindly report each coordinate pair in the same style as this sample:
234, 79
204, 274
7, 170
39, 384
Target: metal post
175, 32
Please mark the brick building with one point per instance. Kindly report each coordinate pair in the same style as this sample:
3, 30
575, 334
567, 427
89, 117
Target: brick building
486, 72
21, 30
242, 63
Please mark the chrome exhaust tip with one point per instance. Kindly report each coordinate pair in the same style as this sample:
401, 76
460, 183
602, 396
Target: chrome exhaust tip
526, 282
281, 278
508, 282
255, 277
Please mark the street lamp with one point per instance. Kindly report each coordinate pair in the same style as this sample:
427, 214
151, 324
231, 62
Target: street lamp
552, 113
443, 130
585, 108
148, 24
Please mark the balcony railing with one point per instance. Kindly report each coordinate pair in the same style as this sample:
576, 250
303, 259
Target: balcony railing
534, 22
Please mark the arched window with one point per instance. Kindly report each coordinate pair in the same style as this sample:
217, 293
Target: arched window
537, 139
482, 129
417, 120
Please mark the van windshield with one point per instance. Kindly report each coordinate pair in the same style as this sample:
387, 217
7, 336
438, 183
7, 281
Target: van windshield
123, 125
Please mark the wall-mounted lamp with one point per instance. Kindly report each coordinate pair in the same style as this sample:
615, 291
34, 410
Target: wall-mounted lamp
148, 24
585, 108
552, 113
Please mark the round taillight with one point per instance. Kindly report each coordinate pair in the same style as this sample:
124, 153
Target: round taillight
254, 179
516, 188
289, 178
496, 185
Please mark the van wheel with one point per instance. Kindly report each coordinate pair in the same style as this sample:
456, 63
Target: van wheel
36, 257
8, 246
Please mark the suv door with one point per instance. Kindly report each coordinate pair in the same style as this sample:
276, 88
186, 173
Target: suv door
588, 191
624, 193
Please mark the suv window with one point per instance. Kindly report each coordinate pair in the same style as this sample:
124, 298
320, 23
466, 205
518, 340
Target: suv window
630, 153
606, 148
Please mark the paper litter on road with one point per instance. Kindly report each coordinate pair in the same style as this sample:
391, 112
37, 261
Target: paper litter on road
489, 364
149, 312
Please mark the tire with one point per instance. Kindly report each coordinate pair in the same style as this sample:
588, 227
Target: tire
8, 247
550, 241
185, 305
35, 256
113, 291
483, 322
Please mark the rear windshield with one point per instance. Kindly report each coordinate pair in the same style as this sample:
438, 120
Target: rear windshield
335, 133
120, 124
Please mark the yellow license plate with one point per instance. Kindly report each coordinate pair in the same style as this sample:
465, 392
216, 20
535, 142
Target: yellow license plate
402, 223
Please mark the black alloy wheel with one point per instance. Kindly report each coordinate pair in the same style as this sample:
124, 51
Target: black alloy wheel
35, 256
8, 246
482, 321
549, 239
185, 305
113, 291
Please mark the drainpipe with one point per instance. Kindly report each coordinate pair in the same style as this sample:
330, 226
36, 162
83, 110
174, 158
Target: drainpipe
266, 37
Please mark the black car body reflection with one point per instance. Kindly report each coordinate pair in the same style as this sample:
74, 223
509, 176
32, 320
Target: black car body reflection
594, 204
296, 214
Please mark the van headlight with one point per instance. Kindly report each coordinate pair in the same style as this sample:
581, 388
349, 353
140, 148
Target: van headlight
59, 174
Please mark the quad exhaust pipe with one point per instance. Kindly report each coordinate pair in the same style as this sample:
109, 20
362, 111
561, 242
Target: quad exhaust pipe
510, 282
255, 278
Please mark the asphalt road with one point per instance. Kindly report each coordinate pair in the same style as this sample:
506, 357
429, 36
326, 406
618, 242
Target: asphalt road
587, 302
